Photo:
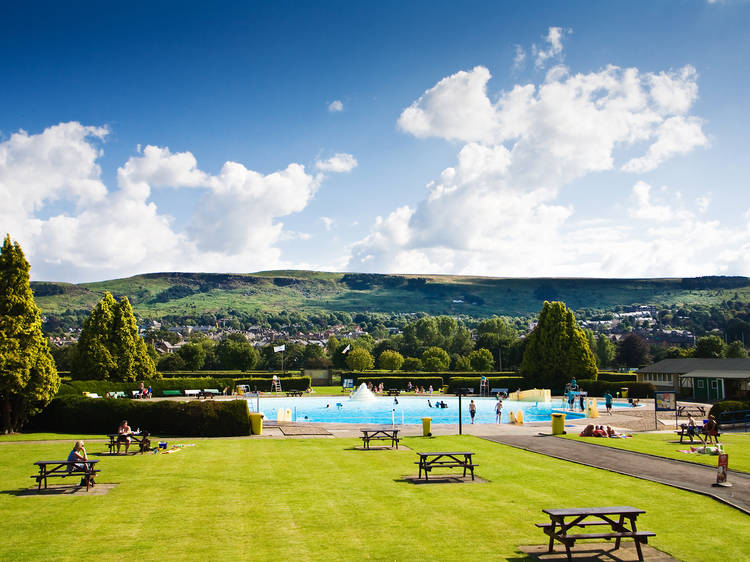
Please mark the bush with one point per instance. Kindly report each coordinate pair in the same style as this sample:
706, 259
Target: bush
617, 377
401, 382
264, 384
510, 382
599, 387
728, 406
77, 414
157, 386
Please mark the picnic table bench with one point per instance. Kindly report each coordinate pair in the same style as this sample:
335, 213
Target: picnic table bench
208, 393
394, 392
620, 520
378, 435
684, 431
135, 438
62, 469
429, 461
684, 411
294, 393
192, 392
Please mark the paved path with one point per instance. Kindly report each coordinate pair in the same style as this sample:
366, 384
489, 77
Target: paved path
688, 476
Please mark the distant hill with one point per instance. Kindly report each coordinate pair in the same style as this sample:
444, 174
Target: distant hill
189, 295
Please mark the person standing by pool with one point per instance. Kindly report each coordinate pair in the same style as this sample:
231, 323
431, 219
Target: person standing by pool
581, 398
498, 410
608, 402
472, 410
571, 400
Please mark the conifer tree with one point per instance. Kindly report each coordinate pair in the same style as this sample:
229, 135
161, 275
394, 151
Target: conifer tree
109, 347
557, 349
28, 376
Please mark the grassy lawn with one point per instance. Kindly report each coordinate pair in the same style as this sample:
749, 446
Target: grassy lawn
319, 499
736, 445
49, 437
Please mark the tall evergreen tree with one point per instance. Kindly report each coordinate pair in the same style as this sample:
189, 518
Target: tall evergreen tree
28, 377
109, 347
557, 349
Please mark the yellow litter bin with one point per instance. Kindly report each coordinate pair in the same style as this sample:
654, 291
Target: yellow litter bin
426, 423
558, 424
624, 392
256, 423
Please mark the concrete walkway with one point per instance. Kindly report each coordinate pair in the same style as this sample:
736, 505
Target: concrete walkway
687, 476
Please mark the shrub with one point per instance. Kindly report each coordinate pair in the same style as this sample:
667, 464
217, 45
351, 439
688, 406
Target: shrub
264, 384
599, 387
617, 377
401, 382
510, 382
207, 418
728, 406
157, 386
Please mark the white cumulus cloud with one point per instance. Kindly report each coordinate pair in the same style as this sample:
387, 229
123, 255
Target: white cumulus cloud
335, 106
339, 163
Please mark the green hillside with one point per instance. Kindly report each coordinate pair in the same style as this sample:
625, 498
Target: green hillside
188, 295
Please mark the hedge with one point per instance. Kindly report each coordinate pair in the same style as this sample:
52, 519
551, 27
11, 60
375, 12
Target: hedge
617, 377
205, 418
511, 383
728, 406
635, 389
401, 383
264, 384
157, 385
224, 374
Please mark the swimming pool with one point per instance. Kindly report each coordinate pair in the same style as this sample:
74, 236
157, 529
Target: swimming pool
404, 409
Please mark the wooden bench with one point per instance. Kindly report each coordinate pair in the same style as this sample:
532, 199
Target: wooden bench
684, 431
735, 417
63, 469
294, 393
620, 520
192, 392
171, 393
394, 392
134, 439
380, 435
430, 461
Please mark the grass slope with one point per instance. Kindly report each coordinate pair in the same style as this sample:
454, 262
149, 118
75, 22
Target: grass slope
190, 294
320, 499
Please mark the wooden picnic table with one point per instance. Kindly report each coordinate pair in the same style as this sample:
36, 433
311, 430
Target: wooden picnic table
294, 393
394, 392
136, 438
429, 461
62, 469
380, 434
620, 520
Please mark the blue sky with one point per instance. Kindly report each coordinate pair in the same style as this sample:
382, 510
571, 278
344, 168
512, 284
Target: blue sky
602, 139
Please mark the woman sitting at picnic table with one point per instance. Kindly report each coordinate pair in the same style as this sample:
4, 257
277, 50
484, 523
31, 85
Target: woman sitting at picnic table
79, 454
123, 436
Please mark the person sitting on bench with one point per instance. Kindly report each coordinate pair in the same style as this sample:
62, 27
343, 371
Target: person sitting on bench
123, 436
79, 454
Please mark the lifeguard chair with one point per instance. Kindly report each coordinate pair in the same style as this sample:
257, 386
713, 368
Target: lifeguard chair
275, 384
484, 386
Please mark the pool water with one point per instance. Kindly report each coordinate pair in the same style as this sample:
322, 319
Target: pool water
403, 409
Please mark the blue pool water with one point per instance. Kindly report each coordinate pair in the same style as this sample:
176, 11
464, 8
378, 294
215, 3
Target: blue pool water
409, 408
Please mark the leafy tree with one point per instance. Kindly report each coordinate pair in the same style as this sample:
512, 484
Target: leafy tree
314, 357
194, 356
605, 351
412, 364
359, 359
109, 347
332, 345
391, 360
462, 363
481, 360
435, 359
171, 362
496, 335
736, 350
28, 377
633, 351
461, 343
235, 352
557, 350
710, 347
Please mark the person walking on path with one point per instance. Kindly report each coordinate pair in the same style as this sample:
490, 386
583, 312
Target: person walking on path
499, 411
608, 402
711, 430
472, 410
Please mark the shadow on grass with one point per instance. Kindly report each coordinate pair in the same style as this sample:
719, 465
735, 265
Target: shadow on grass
61, 490
440, 479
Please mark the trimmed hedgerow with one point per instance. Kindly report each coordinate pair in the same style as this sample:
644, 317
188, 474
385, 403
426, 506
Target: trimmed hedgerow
728, 406
264, 384
617, 377
511, 383
157, 385
205, 418
635, 389
401, 383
